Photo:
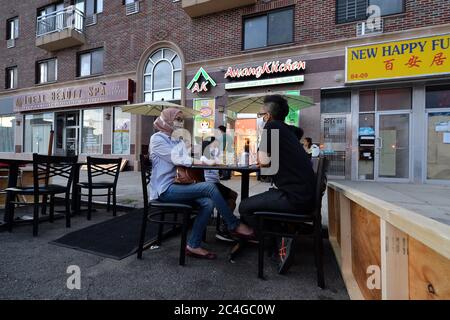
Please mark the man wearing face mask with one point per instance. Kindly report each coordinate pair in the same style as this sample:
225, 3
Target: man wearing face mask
167, 152
294, 180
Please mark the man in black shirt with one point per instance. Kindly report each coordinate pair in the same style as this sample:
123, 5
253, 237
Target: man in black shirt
290, 167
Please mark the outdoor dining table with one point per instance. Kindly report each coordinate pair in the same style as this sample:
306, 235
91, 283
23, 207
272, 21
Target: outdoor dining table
245, 186
243, 170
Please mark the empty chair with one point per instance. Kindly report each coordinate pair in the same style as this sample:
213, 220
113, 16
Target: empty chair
100, 167
45, 168
314, 217
154, 209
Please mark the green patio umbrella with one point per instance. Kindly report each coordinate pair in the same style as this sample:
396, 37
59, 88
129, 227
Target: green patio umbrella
155, 108
252, 103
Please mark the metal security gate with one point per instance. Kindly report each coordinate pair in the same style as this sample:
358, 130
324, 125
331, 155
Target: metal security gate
336, 141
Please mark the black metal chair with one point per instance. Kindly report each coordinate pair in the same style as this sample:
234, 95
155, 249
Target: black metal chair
44, 168
159, 209
300, 218
100, 167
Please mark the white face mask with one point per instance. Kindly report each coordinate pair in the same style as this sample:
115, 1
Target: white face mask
260, 123
178, 124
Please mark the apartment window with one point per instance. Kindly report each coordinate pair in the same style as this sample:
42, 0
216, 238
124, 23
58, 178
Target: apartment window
355, 10
272, 28
90, 63
389, 7
89, 7
47, 71
51, 18
121, 132
162, 76
7, 133
12, 28
350, 10
11, 78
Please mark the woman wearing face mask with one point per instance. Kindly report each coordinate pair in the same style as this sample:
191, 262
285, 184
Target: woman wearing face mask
166, 152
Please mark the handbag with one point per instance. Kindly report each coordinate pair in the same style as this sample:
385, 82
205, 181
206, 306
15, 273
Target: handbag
186, 175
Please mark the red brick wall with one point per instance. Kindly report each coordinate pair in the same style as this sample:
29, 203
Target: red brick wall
126, 37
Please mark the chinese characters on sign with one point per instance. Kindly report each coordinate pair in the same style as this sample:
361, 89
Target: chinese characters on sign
403, 59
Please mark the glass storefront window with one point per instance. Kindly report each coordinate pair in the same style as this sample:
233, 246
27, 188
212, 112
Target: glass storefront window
394, 99
7, 133
438, 155
121, 132
438, 97
37, 132
92, 131
367, 101
336, 102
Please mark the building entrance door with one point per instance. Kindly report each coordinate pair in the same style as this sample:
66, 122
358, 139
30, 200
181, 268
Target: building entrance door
392, 147
67, 133
336, 139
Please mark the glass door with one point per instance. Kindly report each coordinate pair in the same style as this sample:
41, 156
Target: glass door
392, 147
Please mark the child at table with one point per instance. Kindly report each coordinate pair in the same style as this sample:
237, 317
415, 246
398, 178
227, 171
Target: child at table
211, 156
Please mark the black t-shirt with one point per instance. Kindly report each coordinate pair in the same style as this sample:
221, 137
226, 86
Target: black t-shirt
295, 174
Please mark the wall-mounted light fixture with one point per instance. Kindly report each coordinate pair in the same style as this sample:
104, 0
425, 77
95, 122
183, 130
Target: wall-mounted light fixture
18, 122
107, 116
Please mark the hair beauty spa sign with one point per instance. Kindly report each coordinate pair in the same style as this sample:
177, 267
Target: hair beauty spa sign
114, 91
412, 58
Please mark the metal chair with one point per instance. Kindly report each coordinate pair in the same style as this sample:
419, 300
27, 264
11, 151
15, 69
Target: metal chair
161, 209
44, 168
314, 217
100, 167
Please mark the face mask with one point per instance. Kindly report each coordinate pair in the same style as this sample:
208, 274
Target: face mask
261, 123
178, 124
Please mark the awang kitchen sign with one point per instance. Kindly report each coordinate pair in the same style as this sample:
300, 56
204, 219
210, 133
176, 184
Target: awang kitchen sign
266, 74
114, 91
268, 68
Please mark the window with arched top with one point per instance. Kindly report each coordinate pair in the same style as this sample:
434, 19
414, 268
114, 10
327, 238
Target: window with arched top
162, 76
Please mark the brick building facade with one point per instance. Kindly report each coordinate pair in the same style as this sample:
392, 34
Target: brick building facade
215, 42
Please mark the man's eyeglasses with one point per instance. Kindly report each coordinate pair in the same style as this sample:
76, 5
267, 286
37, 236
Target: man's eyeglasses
261, 114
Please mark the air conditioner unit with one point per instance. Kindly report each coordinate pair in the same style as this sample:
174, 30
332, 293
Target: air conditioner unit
364, 29
91, 20
11, 43
132, 8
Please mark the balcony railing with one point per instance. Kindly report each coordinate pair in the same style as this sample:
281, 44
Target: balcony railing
60, 29
67, 18
197, 8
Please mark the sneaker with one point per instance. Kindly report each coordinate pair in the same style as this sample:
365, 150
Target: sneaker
286, 254
224, 235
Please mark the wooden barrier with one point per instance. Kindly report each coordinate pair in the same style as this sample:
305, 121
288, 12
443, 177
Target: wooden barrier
385, 251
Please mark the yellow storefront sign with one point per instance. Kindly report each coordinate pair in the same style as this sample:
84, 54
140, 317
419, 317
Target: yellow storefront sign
410, 58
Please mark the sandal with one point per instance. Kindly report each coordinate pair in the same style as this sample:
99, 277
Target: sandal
250, 236
208, 256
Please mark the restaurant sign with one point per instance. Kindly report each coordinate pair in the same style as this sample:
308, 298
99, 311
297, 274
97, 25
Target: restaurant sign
267, 68
419, 57
114, 91
264, 82
196, 86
